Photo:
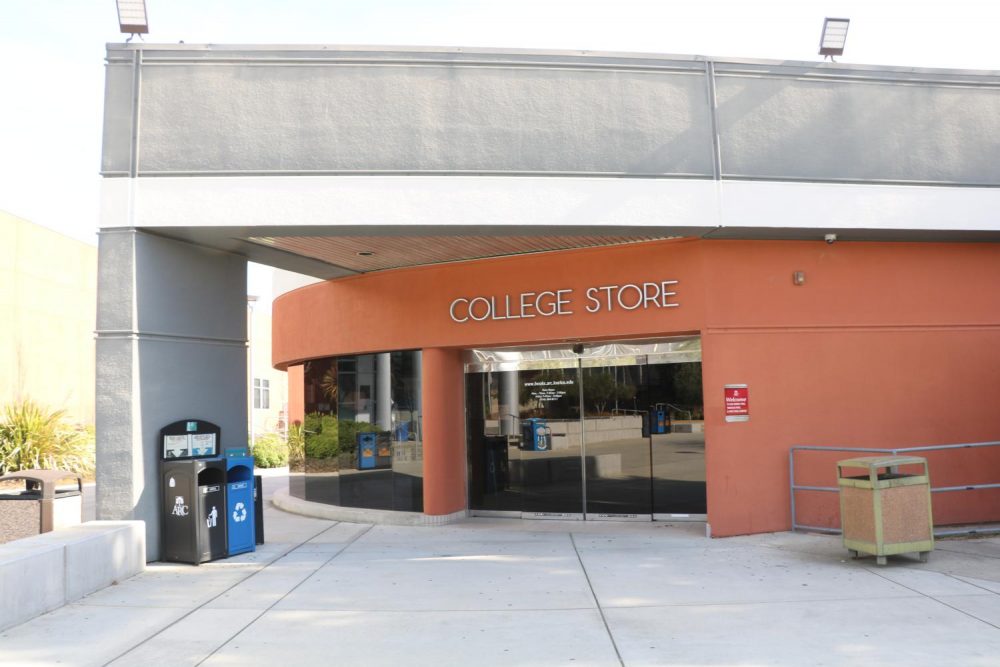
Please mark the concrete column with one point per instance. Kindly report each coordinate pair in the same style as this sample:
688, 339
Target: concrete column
171, 345
444, 431
383, 392
510, 403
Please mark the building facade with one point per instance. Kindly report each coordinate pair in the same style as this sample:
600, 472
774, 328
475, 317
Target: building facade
48, 294
879, 346
556, 284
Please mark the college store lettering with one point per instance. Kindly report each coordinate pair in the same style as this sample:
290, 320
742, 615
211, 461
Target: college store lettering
550, 303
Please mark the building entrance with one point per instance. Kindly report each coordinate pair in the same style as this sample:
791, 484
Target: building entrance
610, 431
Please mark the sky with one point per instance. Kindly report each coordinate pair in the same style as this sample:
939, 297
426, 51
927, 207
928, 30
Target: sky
52, 76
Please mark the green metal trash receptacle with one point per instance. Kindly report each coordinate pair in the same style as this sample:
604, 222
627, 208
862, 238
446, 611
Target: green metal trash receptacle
42, 505
884, 512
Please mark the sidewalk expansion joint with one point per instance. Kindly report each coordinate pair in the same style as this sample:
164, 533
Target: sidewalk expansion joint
597, 602
292, 589
931, 597
220, 594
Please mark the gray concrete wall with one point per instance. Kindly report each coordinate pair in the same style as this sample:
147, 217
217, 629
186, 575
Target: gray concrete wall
119, 95
780, 127
171, 345
204, 110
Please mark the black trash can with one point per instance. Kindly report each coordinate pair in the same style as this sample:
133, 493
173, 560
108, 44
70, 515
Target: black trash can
194, 510
258, 509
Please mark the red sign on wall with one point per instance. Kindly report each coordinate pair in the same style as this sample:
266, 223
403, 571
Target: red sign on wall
737, 402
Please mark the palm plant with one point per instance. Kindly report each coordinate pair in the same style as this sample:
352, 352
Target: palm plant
32, 436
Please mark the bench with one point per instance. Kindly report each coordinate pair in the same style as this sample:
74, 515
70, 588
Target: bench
44, 572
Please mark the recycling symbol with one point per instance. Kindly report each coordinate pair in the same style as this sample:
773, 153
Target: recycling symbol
239, 512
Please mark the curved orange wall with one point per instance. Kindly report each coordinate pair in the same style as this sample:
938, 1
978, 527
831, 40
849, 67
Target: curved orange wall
408, 308
885, 345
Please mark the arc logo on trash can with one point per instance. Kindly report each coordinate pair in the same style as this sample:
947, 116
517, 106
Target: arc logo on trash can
179, 509
239, 512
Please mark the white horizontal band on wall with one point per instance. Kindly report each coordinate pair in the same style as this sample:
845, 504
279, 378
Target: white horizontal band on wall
526, 204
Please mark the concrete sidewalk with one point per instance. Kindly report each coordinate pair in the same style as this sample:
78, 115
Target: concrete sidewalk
507, 592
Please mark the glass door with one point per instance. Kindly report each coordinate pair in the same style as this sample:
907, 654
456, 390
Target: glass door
674, 395
615, 432
617, 456
551, 446
494, 450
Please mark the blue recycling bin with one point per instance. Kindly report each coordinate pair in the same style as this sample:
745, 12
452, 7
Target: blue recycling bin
367, 448
240, 504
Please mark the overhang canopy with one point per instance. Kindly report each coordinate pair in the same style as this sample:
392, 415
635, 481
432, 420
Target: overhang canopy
311, 157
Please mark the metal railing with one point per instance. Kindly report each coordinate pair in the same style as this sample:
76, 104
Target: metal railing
938, 532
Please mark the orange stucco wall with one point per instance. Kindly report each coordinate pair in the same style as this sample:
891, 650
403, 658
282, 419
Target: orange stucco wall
408, 309
885, 345
444, 431
296, 396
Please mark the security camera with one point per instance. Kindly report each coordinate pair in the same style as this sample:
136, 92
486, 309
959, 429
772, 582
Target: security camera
830, 238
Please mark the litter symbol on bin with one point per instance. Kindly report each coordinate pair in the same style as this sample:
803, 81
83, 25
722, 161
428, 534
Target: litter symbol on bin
213, 517
239, 512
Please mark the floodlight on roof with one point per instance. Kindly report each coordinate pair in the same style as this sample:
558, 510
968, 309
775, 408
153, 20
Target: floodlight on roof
831, 43
132, 17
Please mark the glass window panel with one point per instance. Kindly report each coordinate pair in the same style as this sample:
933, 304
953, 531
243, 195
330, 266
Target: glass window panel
407, 455
320, 459
361, 438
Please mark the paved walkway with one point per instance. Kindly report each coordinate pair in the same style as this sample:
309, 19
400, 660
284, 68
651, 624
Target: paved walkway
506, 592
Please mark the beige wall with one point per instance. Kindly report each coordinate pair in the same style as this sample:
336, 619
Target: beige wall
48, 295
273, 419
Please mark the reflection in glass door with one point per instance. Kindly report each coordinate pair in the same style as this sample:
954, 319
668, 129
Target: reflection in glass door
552, 434
617, 458
494, 443
677, 434
550, 446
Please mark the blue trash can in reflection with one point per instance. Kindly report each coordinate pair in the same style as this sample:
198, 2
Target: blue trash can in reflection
661, 419
536, 435
367, 451
402, 432
240, 504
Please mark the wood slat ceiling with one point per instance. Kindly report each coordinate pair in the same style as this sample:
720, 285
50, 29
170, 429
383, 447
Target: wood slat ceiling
392, 252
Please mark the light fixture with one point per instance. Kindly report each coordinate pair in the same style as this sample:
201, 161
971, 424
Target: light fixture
799, 278
831, 43
365, 253
132, 17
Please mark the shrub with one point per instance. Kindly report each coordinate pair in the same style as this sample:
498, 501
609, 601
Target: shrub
320, 436
32, 436
270, 451
349, 430
296, 445
325, 437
